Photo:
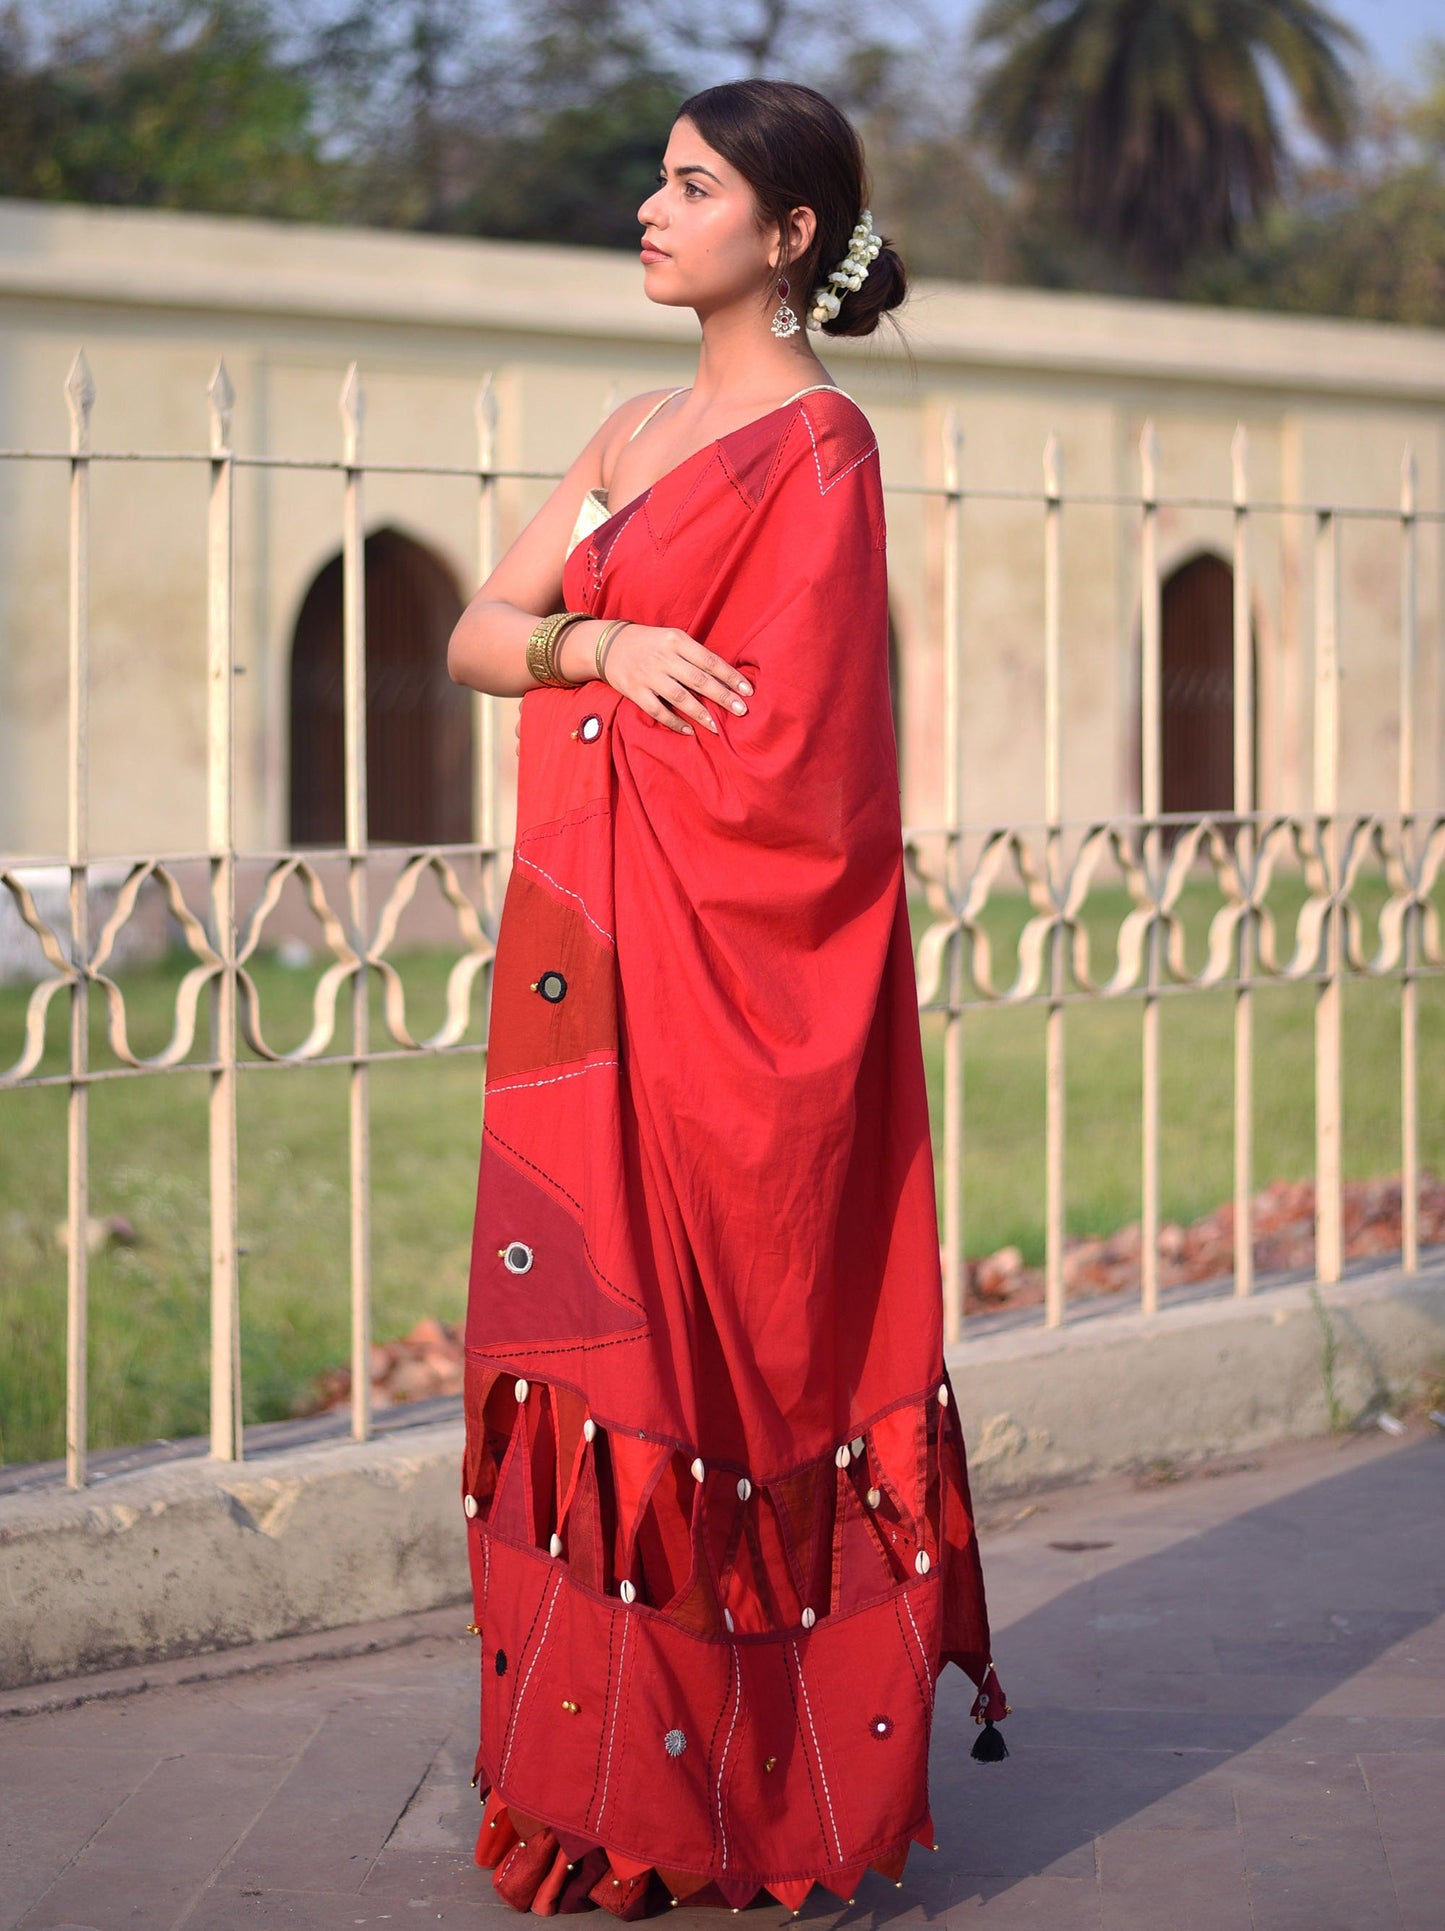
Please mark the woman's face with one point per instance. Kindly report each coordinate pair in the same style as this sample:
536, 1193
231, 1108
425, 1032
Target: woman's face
701, 246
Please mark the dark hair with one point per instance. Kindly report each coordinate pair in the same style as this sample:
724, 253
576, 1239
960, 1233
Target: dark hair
795, 149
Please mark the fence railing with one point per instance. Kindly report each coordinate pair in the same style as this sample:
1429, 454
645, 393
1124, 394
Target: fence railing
962, 868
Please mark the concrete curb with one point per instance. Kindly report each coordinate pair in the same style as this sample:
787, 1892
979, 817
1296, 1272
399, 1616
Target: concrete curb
1213, 1375
192, 1556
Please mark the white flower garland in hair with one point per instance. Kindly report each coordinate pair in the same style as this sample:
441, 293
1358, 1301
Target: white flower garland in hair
863, 251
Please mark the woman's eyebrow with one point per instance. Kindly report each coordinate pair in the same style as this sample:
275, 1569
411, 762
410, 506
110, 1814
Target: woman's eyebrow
693, 167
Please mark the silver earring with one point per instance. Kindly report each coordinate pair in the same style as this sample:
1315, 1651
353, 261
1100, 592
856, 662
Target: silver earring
785, 322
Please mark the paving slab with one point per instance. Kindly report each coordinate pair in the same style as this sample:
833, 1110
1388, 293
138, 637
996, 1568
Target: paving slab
1229, 1715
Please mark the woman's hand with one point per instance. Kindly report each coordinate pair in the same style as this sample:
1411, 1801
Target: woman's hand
663, 671
666, 673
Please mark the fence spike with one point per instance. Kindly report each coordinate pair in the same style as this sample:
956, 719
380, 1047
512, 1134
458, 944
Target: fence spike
80, 400
486, 414
1239, 466
1053, 465
952, 449
353, 409
222, 400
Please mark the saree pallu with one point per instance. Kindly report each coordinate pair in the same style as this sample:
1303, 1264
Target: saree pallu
717, 1502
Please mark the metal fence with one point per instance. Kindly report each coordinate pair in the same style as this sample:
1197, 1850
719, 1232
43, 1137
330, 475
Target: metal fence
961, 867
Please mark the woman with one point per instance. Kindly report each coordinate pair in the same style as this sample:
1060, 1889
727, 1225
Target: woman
718, 1509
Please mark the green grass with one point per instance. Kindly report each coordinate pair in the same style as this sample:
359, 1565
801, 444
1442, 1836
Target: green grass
148, 1346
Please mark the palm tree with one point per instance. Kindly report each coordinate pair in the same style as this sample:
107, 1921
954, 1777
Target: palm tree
1156, 117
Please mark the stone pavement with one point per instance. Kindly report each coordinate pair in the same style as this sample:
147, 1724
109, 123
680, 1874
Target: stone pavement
1229, 1712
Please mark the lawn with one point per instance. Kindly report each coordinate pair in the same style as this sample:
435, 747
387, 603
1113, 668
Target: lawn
148, 1301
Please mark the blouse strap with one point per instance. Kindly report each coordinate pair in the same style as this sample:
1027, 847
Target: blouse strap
654, 409
812, 392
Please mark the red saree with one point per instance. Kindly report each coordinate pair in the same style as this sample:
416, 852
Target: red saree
718, 1508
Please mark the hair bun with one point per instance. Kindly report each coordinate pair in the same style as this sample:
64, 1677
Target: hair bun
884, 287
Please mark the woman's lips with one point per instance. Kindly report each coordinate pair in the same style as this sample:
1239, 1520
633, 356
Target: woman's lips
649, 253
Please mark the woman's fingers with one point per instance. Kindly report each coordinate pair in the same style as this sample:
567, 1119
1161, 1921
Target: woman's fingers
667, 672
682, 699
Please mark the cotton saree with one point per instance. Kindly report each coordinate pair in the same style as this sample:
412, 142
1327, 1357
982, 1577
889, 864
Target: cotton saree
716, 1495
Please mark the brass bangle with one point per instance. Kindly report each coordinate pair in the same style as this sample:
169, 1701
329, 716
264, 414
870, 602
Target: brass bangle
536, 654
609, 632
554, 649
541, 652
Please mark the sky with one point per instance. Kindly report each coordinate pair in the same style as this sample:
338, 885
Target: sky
1393, 29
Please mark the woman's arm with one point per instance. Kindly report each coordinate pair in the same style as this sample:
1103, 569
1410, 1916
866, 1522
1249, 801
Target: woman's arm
487, 647
665, 672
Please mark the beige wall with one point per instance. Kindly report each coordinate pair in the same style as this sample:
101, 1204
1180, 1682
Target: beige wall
155, 298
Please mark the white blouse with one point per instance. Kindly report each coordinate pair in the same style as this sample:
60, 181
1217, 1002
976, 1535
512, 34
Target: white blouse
593, 513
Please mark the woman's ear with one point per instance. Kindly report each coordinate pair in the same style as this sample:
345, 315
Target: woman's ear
802, 226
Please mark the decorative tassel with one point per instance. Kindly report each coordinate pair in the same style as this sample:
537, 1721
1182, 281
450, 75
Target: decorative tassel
989, 1746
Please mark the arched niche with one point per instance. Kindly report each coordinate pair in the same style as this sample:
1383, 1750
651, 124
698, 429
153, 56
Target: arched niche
418, 722
1196, 691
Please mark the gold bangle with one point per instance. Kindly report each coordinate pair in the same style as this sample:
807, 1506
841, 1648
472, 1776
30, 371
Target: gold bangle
541, 649
609, 631
554, 650
537, 648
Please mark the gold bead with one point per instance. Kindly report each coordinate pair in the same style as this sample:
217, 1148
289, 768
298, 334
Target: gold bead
474, 1629
769, 1762
569, 1705
898, 1883
852, 1900
533, 986
935, 1847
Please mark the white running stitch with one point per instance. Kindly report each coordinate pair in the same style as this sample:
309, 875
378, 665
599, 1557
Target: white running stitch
612, 1727
723, 1764
817, 1751
568, 892
522, 1686
518, 1086
927, 1671
823, 487
486, 1569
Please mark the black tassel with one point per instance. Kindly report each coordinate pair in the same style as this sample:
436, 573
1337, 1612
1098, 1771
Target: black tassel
989, 1746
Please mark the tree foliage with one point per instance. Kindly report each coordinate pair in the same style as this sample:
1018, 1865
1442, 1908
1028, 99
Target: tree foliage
169, 103
1368, 240
1154, 117
1120, 145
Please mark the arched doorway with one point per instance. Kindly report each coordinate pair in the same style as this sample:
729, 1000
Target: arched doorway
418, 722
1196, 690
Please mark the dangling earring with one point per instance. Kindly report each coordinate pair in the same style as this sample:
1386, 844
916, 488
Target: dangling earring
785, 322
